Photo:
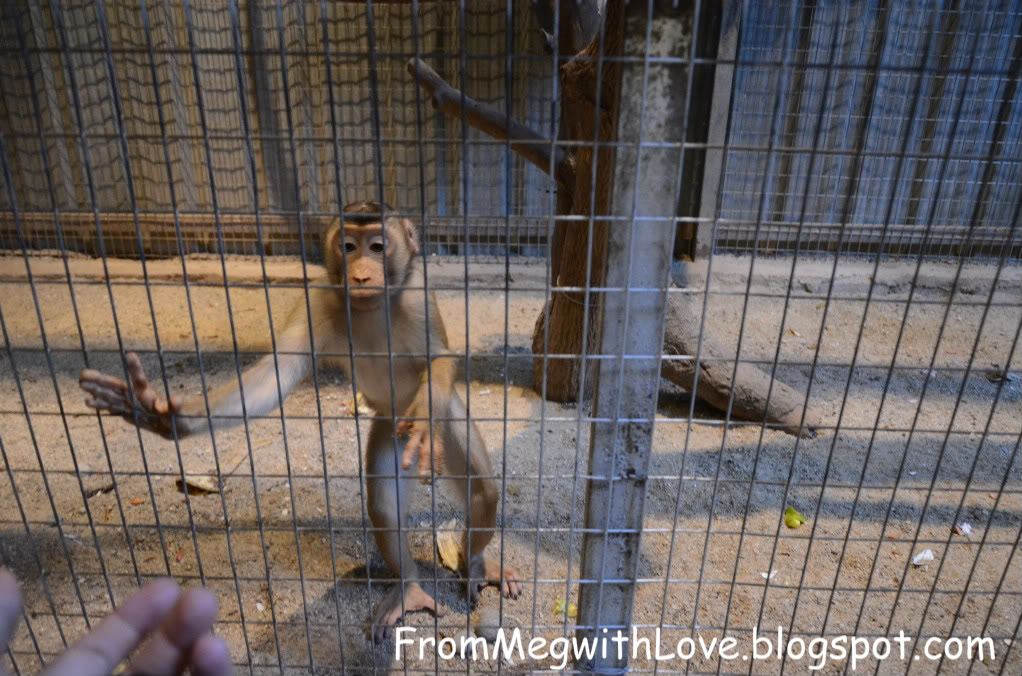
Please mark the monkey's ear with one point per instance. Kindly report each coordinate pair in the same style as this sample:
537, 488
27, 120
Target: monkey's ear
332, 226
411, 235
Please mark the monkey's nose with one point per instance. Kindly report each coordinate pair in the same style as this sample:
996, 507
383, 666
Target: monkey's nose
360, 280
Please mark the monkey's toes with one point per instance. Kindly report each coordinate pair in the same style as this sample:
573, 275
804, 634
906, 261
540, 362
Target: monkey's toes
506, 581
393, 607
474, 589
384, 622
512, 588
381, 632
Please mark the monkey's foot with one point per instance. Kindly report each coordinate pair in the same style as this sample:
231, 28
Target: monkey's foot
391, 609
484, 572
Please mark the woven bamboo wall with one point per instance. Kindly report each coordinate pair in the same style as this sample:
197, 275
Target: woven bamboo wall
50, 58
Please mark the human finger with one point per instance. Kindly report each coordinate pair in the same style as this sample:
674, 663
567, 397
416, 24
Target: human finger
106, 645
168, 651
10, 607
210, 657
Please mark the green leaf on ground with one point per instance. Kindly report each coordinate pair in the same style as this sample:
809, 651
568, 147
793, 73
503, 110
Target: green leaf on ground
793, 519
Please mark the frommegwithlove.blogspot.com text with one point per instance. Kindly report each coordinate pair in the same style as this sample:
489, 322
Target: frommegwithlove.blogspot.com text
637, 644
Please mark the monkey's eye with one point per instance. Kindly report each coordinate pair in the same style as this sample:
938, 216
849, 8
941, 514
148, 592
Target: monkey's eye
350, 246
376, 245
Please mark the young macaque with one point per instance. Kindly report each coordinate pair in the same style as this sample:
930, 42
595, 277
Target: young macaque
361, 273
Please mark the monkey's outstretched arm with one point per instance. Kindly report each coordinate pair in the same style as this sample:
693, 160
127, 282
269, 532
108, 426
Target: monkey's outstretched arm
262, 391
264, 385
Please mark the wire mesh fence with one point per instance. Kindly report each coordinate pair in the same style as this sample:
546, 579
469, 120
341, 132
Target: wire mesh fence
899, 126
791, 440
159, 70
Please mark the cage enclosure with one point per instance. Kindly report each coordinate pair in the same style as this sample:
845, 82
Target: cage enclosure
709, 312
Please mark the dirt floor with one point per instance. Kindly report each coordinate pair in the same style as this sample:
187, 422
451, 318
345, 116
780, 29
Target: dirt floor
286, 550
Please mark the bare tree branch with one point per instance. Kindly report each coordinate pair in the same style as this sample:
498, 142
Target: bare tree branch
525, 141
579, 22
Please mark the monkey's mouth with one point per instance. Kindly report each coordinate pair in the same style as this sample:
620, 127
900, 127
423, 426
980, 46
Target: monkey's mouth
364, 291
364, 297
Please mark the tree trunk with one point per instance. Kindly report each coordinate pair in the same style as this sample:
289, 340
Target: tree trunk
559, 377
559, 347
562, 376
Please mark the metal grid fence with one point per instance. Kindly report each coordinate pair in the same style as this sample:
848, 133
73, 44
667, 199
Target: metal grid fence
676, 520
287, 128
898, 125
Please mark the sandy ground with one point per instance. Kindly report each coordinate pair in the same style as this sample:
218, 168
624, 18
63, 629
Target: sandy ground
88, 506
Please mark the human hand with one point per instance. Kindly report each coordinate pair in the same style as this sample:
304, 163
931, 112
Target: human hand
175, 626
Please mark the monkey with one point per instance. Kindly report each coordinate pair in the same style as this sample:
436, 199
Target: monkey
372, 267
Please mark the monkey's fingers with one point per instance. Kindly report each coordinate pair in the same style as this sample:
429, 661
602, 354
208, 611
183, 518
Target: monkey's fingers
431, 463
416, 445
139, 382
106, 398
117, 406
167, 406
94, 389
93, 378
147, 399
135, 370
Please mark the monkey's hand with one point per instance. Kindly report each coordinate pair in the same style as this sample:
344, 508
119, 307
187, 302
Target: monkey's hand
139, 404
418, 437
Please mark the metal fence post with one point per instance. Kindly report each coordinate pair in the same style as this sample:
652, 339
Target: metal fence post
627, 383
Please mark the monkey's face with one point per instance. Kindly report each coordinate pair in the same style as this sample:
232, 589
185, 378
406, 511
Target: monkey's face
375, 259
